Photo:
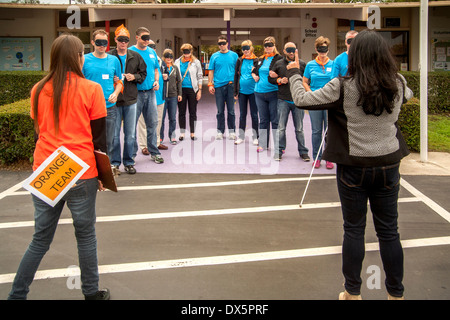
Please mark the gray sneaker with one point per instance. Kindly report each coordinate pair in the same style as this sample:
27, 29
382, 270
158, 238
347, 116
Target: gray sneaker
115, 170
157, 158
130, 169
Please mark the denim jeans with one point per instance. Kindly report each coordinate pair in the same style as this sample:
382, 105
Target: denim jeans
318, 126
80, 200
224, 95
146, 104
284, 108
170, 107
128, 115
268, 114
379, 185
244, 100
111, 116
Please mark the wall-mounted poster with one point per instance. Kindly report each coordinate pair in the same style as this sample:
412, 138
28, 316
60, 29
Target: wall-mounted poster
21, 53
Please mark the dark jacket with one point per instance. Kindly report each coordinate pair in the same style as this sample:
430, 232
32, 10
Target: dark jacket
136, 66
237, 73
174, 83
279, 67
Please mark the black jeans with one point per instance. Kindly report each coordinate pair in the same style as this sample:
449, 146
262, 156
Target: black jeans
189, 97
379, 185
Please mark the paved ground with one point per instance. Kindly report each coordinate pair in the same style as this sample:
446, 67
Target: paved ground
219, 234
226, 236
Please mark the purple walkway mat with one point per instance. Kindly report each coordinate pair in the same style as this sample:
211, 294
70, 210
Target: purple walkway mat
207, 155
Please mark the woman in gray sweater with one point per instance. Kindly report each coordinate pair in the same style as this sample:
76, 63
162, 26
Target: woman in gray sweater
367, 146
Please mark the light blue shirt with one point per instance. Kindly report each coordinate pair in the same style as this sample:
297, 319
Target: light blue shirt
263, 85
340, 65
246, 81
187, 83
224, 66
102, 71
318, 75
151, 59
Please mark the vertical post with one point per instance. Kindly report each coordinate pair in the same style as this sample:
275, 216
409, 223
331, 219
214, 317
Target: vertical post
229, 34
107, 31
352, 24
423, 80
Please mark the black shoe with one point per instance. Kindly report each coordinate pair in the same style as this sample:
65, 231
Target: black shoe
277, 157
305, 157
102, 294
130, 169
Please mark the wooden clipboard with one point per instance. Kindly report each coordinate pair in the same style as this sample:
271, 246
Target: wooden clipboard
105, 174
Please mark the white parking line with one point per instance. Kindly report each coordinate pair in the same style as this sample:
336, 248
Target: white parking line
13, 190
220, 260
198, 213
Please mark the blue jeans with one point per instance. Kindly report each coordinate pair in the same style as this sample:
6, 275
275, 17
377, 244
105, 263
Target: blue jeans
244, 100
318, 126
146, 104
284, 108
80, 200
128, 115
111, 116
170, 107
268, 114
224, 95
379, 185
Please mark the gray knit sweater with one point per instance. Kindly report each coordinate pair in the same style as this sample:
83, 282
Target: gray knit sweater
355, 138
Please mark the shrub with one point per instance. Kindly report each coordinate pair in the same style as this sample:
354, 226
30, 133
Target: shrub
438, 89
409, 123
16, 132
15, 86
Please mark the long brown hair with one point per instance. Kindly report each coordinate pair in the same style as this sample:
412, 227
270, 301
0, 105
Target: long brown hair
374, 69
65, 57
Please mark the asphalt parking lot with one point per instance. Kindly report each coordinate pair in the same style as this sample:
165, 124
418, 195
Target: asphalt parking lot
228, 237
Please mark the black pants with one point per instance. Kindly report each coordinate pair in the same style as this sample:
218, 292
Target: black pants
189, 98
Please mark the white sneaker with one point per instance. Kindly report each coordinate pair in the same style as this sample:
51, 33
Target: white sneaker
232, 136
238, 141
255, 142
219, 136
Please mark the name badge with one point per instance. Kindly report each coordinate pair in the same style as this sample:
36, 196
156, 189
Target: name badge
151, 56
328, 69
105, 76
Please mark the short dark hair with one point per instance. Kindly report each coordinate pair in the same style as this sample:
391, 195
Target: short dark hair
141, 30
99, 31
222, 37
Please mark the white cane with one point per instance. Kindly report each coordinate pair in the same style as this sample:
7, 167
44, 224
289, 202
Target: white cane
314, 163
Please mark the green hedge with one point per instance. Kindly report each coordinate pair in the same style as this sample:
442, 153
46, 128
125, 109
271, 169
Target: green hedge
438, 89
409, 123
15, 86
16, 132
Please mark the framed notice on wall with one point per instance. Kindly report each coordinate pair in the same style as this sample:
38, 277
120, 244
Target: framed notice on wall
21, 53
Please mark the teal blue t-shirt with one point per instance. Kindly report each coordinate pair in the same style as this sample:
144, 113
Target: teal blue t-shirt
102, 71
123, 59
246, 82
263, 85
151, 59
224, 66
187, 83
318, 75
340, 65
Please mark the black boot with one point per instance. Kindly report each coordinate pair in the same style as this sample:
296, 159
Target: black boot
102, 294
